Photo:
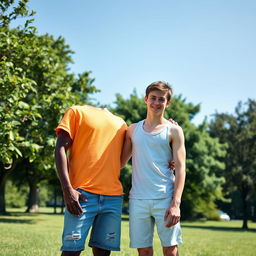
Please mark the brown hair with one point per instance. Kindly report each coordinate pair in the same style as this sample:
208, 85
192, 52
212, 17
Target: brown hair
160, 86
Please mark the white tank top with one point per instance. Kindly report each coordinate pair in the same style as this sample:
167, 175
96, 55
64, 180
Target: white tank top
151, 154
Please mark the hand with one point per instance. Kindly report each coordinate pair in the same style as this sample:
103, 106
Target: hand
172, 216
71, 199
172, 165
172, 121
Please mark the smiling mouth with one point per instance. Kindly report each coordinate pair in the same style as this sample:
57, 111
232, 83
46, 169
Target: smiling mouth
155, 109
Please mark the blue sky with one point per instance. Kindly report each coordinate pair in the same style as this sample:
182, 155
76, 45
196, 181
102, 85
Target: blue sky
205, 48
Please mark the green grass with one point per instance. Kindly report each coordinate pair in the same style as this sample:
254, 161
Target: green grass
40, 234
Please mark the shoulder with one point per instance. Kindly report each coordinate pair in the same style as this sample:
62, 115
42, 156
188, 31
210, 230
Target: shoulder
76, 109
176, 131
176, 128
120, 119
131, 128
75, 112
88, 111
69, 113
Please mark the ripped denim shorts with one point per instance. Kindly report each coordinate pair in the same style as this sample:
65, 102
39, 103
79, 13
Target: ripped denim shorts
102, 214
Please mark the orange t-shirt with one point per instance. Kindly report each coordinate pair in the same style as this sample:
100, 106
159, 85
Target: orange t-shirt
94, 156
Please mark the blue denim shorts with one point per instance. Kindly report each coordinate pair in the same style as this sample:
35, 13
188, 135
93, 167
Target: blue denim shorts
102, 214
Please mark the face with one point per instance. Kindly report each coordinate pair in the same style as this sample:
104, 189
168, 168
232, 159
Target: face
157, 101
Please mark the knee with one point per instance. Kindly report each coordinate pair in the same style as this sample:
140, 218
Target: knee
171, 251
145, 251
100, 252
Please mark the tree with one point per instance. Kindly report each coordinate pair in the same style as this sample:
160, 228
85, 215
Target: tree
238, 131
14, 85
56, 89
203, 186
36, 88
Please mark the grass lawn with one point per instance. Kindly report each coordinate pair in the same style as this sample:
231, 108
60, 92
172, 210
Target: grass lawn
40, 234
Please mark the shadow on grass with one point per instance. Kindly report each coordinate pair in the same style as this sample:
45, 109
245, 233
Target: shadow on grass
19, 218
17, 221
216, 228
23, 213
51, 213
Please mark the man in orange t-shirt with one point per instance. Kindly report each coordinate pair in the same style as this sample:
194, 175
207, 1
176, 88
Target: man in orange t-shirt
89, 177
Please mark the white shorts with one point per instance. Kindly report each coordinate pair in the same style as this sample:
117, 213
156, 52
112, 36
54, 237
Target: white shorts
144, 214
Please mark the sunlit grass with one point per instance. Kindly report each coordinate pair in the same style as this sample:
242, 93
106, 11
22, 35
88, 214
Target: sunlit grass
40, 234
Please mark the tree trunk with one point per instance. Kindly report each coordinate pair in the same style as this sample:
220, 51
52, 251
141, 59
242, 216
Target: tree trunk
245, 217
3, 176
55, 200
245, 210
5, 169
62, 205
254, 212
33, 197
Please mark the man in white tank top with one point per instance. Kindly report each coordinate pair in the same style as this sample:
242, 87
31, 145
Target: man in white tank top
156, 192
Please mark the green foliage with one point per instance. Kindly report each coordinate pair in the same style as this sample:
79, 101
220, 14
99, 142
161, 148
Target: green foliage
36, 87
125, 178
15, 195
238, 131
132, 110
44, 194
11, 10
188, 110
203, 182
13, 110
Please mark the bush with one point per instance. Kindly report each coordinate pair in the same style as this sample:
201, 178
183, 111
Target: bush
15, 197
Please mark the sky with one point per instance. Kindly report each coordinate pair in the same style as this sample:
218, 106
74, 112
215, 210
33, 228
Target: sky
206, 49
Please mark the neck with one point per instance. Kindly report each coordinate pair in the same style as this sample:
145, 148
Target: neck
154, 120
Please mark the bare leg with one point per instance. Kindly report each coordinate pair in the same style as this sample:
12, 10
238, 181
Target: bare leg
148, 251
100, 252
171, 251
66, 253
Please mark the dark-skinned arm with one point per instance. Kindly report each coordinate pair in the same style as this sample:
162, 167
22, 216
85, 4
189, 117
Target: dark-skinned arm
70, 195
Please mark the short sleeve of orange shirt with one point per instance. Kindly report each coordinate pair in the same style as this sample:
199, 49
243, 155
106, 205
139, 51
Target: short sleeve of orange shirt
68, 123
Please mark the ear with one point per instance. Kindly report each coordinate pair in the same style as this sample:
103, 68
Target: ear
168, 103
145, 99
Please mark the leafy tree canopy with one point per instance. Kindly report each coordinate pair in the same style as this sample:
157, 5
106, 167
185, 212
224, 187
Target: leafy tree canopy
238, 131
36, 87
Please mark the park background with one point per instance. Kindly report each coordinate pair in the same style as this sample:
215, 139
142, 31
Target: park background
105, 53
